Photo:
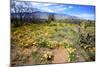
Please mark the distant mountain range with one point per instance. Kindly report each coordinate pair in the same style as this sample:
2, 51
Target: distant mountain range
43, 15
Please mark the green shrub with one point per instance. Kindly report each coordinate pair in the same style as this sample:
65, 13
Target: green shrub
72, 57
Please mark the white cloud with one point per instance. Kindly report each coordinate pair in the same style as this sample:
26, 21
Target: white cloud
70, 7
46, 4
40, 4
59, 9
47, 9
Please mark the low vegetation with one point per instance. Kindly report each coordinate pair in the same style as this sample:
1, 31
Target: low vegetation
41, 39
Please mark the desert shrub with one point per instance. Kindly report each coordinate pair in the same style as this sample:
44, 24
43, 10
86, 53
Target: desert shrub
87, 42
72, 52
72, 57
88, 39
36, 57
16, 23
43, 42
42, 57
52, 24
85, 24
48, 56
67, 45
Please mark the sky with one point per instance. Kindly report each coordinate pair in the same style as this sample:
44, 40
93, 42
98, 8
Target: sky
82, 11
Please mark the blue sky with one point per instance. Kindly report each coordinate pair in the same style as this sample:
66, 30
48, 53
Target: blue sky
82, 11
